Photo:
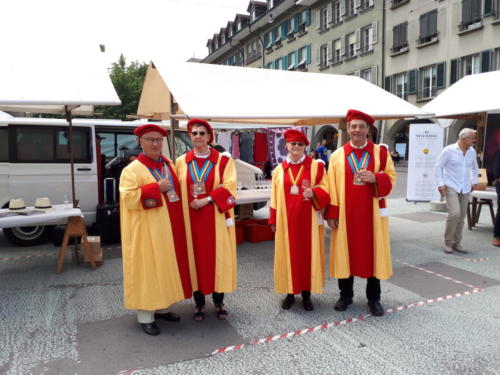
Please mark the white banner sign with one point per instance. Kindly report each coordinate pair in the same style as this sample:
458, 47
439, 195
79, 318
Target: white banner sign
426, 143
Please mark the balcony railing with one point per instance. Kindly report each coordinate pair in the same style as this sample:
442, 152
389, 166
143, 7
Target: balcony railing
475, 24
401, 48
396, 3
427, 39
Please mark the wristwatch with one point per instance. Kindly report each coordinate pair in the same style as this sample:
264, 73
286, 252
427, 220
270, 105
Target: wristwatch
209, 199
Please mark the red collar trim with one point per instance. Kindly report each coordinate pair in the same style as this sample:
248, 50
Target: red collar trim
306, 163
150, 163
348, 148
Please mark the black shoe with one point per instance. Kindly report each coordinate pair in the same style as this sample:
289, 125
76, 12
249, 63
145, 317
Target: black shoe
308, 305
168, 316
376, 308
150, 328
343, 303
288, 302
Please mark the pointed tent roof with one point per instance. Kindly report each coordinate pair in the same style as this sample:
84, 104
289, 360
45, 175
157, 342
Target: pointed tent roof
249, 95
471, 95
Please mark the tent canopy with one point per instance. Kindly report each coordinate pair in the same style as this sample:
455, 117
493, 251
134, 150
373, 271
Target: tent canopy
248, 95
471, 95
47, 81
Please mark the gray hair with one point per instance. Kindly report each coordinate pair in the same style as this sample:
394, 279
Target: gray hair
465, 133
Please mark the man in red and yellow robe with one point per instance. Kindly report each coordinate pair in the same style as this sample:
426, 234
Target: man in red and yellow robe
209, 218
154, 248
361, 174
299, 192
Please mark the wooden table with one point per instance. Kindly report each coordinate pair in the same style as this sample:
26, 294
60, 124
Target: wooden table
58, 214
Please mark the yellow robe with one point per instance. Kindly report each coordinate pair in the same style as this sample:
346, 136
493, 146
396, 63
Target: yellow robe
225, 236
339, 250
283, 273
151, 277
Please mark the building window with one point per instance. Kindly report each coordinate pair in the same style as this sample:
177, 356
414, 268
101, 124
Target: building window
428, 27
337, 15
278, 64
323, 18
396, 3
428, 82
350, 8
471, 14
323, 56
337, 51
471, 65
364, 4
497, 59
401, 83
350, 45
292, 60
366, 38
400, 37
367, 74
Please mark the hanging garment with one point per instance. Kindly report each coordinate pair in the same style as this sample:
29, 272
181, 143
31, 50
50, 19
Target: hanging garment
246, 147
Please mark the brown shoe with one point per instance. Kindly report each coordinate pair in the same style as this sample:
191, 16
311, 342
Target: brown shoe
496, 242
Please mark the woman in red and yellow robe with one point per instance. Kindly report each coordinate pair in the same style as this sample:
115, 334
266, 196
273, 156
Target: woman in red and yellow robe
299, 263
209, 218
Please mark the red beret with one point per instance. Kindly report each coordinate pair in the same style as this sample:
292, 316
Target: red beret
147, 128
293, 135
354, 114
196, 121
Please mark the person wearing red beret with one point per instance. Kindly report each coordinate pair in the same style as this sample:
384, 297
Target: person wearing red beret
361, 174
208, 186
154, 248
299, 193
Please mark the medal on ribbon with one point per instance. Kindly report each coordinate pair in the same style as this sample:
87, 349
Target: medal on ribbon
294, 190
199, 176
159, 175
358, 165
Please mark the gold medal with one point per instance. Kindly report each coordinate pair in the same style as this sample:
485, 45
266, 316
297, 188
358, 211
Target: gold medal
294, 190
200, 187
172, 196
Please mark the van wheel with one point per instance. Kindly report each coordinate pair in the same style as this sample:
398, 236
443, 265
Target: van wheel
28, 236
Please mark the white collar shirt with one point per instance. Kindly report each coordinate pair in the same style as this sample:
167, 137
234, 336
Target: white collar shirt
456, 170
358, 147
289, 161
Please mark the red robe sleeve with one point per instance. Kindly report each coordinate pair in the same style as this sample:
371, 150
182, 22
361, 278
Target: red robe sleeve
272, 216
332, 212
151, 196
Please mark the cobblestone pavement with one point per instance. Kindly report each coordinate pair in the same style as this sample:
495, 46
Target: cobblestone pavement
443, 315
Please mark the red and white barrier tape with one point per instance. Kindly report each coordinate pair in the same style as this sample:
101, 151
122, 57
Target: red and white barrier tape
476, 259
437, 274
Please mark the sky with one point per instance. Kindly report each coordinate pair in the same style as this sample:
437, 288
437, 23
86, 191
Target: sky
140, 29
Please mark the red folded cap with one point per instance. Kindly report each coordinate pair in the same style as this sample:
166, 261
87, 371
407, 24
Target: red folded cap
354, 114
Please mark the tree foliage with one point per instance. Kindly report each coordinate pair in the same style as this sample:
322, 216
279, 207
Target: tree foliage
128, 81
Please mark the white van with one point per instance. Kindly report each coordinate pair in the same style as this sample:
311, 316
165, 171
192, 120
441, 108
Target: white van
34, 162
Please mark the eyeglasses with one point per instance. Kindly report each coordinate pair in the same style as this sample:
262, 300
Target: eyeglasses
300, 144
198, 133
152, 140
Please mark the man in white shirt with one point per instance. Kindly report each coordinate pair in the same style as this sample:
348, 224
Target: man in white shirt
456, 175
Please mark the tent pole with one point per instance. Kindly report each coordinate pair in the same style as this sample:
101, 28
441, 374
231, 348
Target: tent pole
71, 157
174, 124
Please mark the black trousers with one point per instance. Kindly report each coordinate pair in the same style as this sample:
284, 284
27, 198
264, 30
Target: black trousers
372, 288
199, 298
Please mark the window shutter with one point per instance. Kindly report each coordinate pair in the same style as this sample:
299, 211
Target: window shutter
476, 10
342, 45
275, 37
404, 33
423, 26
412, 81
318, 56
387, 83
308, 54
374, 32
488, 7
296, 57
395, 36
318, 19
306, 15
486, 57
329, 14
466, 11
342, 9
433, 22
284, 63
284, 30
453, 71
329, 53
441, 75
374, 74
358, 39
297, 22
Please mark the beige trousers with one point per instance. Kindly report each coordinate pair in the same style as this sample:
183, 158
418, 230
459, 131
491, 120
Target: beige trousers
457, 209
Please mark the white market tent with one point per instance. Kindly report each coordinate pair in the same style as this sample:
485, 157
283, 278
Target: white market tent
67, 80
223, 93
472, 95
